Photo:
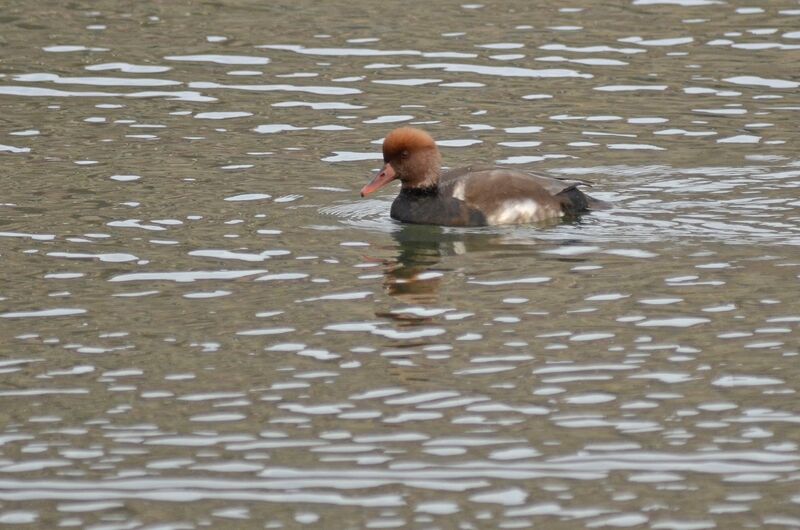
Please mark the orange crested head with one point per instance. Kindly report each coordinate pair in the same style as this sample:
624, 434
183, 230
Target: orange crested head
410, 156
401, 142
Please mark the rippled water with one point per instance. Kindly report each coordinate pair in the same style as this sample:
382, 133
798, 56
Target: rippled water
204, 326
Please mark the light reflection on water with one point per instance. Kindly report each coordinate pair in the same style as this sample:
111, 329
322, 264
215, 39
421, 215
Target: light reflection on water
203, 325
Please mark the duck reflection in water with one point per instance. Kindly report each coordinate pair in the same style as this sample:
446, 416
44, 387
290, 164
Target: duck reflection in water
413, 277
416, 275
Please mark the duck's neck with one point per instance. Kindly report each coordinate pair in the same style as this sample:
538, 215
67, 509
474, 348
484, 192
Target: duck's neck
425, 168
429, 182
419, 191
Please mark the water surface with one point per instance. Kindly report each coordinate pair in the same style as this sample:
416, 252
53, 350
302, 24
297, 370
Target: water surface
204, 326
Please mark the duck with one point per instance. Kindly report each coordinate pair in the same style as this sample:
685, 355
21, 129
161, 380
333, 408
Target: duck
472, 195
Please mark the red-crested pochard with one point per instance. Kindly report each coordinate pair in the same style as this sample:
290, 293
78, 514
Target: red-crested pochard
469, 196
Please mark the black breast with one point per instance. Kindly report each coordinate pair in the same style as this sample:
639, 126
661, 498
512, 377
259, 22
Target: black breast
429, 207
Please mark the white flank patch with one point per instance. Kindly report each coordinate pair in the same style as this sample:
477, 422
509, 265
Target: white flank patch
458, 190
519, 211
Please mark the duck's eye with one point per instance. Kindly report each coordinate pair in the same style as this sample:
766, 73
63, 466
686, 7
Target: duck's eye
404, 154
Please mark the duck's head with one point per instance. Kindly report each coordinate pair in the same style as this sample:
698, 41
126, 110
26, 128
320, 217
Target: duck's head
411, 156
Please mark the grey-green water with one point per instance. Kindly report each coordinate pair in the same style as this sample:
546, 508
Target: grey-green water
202, 325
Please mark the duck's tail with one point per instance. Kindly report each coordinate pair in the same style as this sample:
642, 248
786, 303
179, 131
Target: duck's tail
574, 202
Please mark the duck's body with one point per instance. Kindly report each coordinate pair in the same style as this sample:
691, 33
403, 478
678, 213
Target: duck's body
469, 196
478, 196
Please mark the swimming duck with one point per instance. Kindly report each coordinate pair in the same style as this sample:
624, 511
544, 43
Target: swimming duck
469, 196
